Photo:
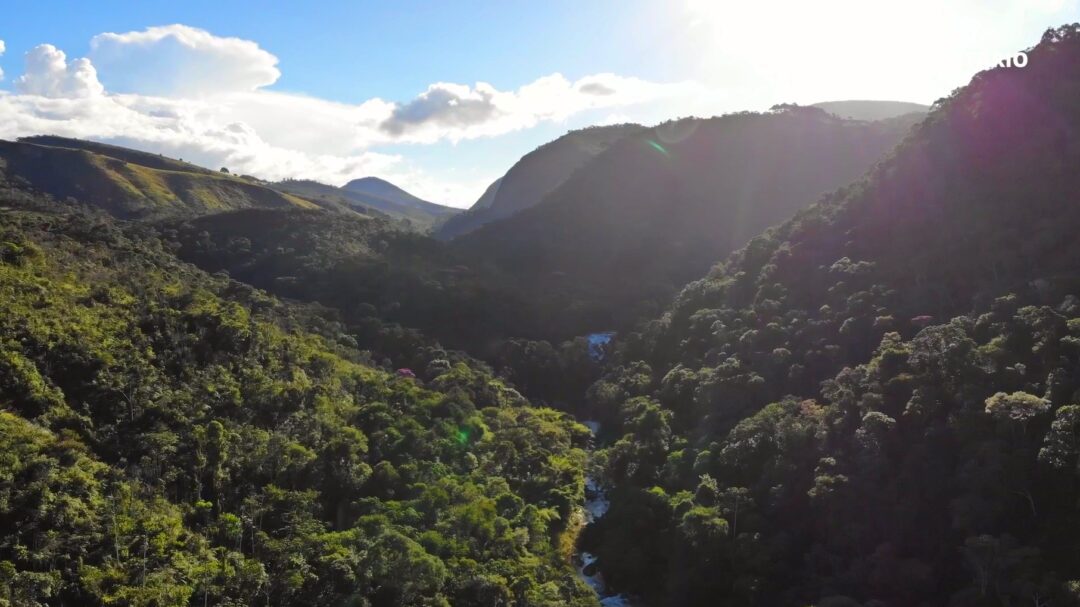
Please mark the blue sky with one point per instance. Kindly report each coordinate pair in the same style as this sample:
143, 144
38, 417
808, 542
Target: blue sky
444, 97
350, 51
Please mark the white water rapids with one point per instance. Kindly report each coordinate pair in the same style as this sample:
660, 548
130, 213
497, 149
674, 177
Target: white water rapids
596, 505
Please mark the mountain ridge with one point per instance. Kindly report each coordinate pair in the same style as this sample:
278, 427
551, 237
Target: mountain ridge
131, 184
377, 195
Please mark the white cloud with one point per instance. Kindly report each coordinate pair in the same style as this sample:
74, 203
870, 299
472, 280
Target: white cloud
48, 74
193, 130
845, 49
185, 93
177, 60
456, 112
445, 105
2, 49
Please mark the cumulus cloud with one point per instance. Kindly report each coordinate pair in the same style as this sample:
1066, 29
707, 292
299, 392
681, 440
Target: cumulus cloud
185, 93
445, 104
194, 131
595, 88
177, 60
48, 74
456, 112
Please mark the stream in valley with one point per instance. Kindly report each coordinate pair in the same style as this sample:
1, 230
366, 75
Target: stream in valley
596, 506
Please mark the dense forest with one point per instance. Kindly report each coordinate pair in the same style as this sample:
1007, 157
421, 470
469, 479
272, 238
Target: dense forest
172, 438
216, 390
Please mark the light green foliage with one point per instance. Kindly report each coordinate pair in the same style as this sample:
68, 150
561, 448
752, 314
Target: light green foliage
172, 438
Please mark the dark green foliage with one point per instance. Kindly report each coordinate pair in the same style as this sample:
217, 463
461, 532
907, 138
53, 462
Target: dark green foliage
380, 279
654, 210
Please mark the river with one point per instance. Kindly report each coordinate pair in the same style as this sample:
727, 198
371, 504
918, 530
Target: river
596, 506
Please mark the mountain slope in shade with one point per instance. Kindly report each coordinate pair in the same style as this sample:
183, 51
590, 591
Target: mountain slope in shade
535, 175
129, 183
488, 197
657, 208
884, 388
871, 110
374, 196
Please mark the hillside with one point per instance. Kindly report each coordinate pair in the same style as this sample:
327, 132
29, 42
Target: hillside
536, 175
373, 196
656, 209
131, 184
396, 291
366, 269
871, 110
175, 438
874, 403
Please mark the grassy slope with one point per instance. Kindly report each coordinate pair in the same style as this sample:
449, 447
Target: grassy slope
131, 184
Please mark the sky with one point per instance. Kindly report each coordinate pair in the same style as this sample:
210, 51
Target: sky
442, 98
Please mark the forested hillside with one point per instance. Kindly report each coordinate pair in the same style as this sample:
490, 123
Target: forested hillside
664, 204
535, 176
876, 402
362, 267
169, 437
395, 291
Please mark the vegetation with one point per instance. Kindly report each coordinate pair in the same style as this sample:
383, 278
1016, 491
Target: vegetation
398, 293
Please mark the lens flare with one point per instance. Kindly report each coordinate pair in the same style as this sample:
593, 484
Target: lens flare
659, 148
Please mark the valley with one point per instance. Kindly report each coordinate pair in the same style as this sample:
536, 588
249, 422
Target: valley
817, 355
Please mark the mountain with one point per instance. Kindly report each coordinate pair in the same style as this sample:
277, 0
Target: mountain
377, 195
132, 184
657, 208
535, 175
171, 437
380, 191
871, 110
874, 403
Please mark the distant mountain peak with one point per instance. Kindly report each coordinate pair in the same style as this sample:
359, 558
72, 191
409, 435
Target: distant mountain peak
368, 184
871, 109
